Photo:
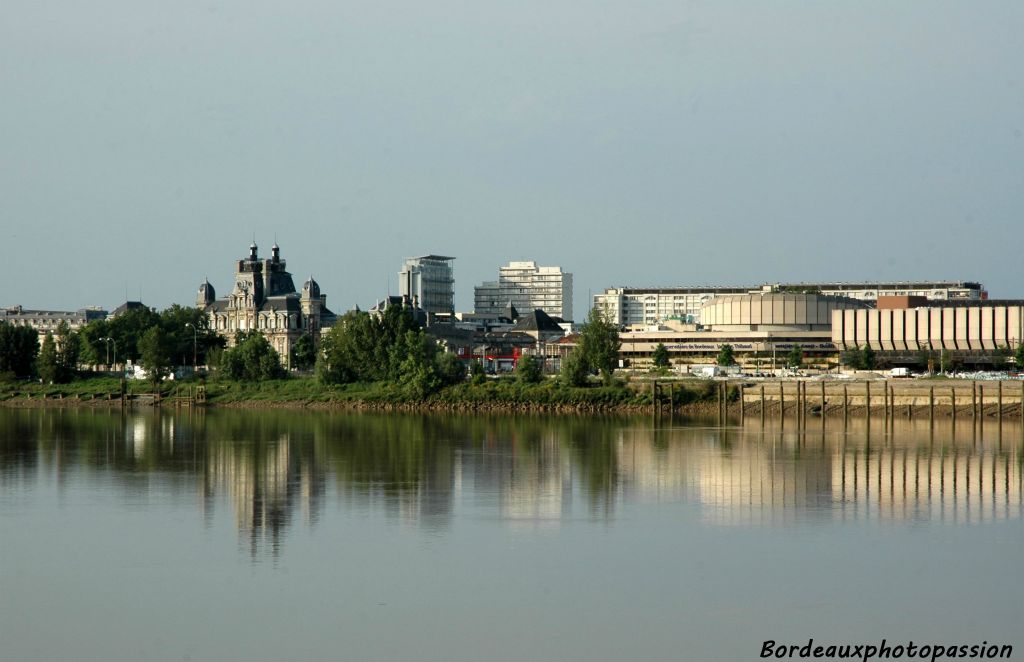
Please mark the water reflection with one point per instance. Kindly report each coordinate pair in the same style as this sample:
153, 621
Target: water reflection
273, 468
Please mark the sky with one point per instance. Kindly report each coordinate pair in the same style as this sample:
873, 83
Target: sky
144, 144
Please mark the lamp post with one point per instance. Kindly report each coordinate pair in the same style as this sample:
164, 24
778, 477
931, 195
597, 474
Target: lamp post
108, 341
195, 333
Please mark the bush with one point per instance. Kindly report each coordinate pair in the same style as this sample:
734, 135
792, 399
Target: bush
528, 370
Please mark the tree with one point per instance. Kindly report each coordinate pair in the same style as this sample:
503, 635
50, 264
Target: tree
417, 371
1018, 356
128, 328
19, 347
46, 364
852, 358
58, 358
528, 370
477, 373
155, 354
868, 360
726, 355
795, 358
450, 369
999, 357
304, 352
574, 369
660, 356
599, 344
366, 348
251, 359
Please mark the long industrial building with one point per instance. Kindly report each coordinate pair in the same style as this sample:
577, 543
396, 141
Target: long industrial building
633, 305
910, 325
761, 328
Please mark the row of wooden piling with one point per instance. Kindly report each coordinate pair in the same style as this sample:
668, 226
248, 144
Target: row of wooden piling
806, 404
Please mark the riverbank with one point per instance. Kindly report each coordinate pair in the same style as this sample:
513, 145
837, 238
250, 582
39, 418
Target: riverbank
945, 398
306, 393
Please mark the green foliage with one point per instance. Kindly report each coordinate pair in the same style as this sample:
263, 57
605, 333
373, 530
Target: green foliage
47, 363
304, 352
528, 370
863, 358
155, 354
451, 369
947, 362
477, 373
19, 347
999, 357
726, 355
1018, 356
795, 358
365, 348
418, 372
127, 328
661, 356
574, 370
599, 344
868, 358
251, 359
58, 358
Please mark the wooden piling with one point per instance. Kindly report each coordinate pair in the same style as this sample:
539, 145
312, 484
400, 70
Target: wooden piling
952, 403
981, 402
782, 401
1000, 402
867, 399
846, 404
931, 405
974, 402
762, 405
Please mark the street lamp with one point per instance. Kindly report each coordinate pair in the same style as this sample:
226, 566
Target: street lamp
194, 342
108, 341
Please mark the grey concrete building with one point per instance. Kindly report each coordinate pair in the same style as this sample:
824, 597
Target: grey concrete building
429, 282
527, 287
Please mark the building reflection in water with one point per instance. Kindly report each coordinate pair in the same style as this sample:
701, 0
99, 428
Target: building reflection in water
271, 468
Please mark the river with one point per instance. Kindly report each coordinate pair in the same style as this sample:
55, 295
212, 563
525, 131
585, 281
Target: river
220, 535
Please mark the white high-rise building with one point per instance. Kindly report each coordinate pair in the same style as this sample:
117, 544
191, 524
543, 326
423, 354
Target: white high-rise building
527, 287
429, 280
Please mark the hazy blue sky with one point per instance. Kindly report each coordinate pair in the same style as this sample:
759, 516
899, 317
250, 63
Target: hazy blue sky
143, 143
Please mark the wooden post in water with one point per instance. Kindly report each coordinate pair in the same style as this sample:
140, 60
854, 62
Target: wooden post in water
981, 402
952, 403
1000, 401
782, 401
846, 405
654, 401
743, 413
885, 403
974, 402
762, 405
823, 401
867, 400
931, 405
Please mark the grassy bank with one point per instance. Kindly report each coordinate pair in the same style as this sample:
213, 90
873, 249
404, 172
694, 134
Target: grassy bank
298, 392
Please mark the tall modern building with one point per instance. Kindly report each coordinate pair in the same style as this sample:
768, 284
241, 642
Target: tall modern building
639, 305
528, 287
429, 281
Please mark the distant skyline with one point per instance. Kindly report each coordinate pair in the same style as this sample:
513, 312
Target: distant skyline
657, 143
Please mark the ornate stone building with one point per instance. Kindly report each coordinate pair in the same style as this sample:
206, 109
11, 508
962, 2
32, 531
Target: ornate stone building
264, 299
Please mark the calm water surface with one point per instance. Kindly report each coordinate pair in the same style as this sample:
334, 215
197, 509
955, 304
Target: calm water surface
282, 535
